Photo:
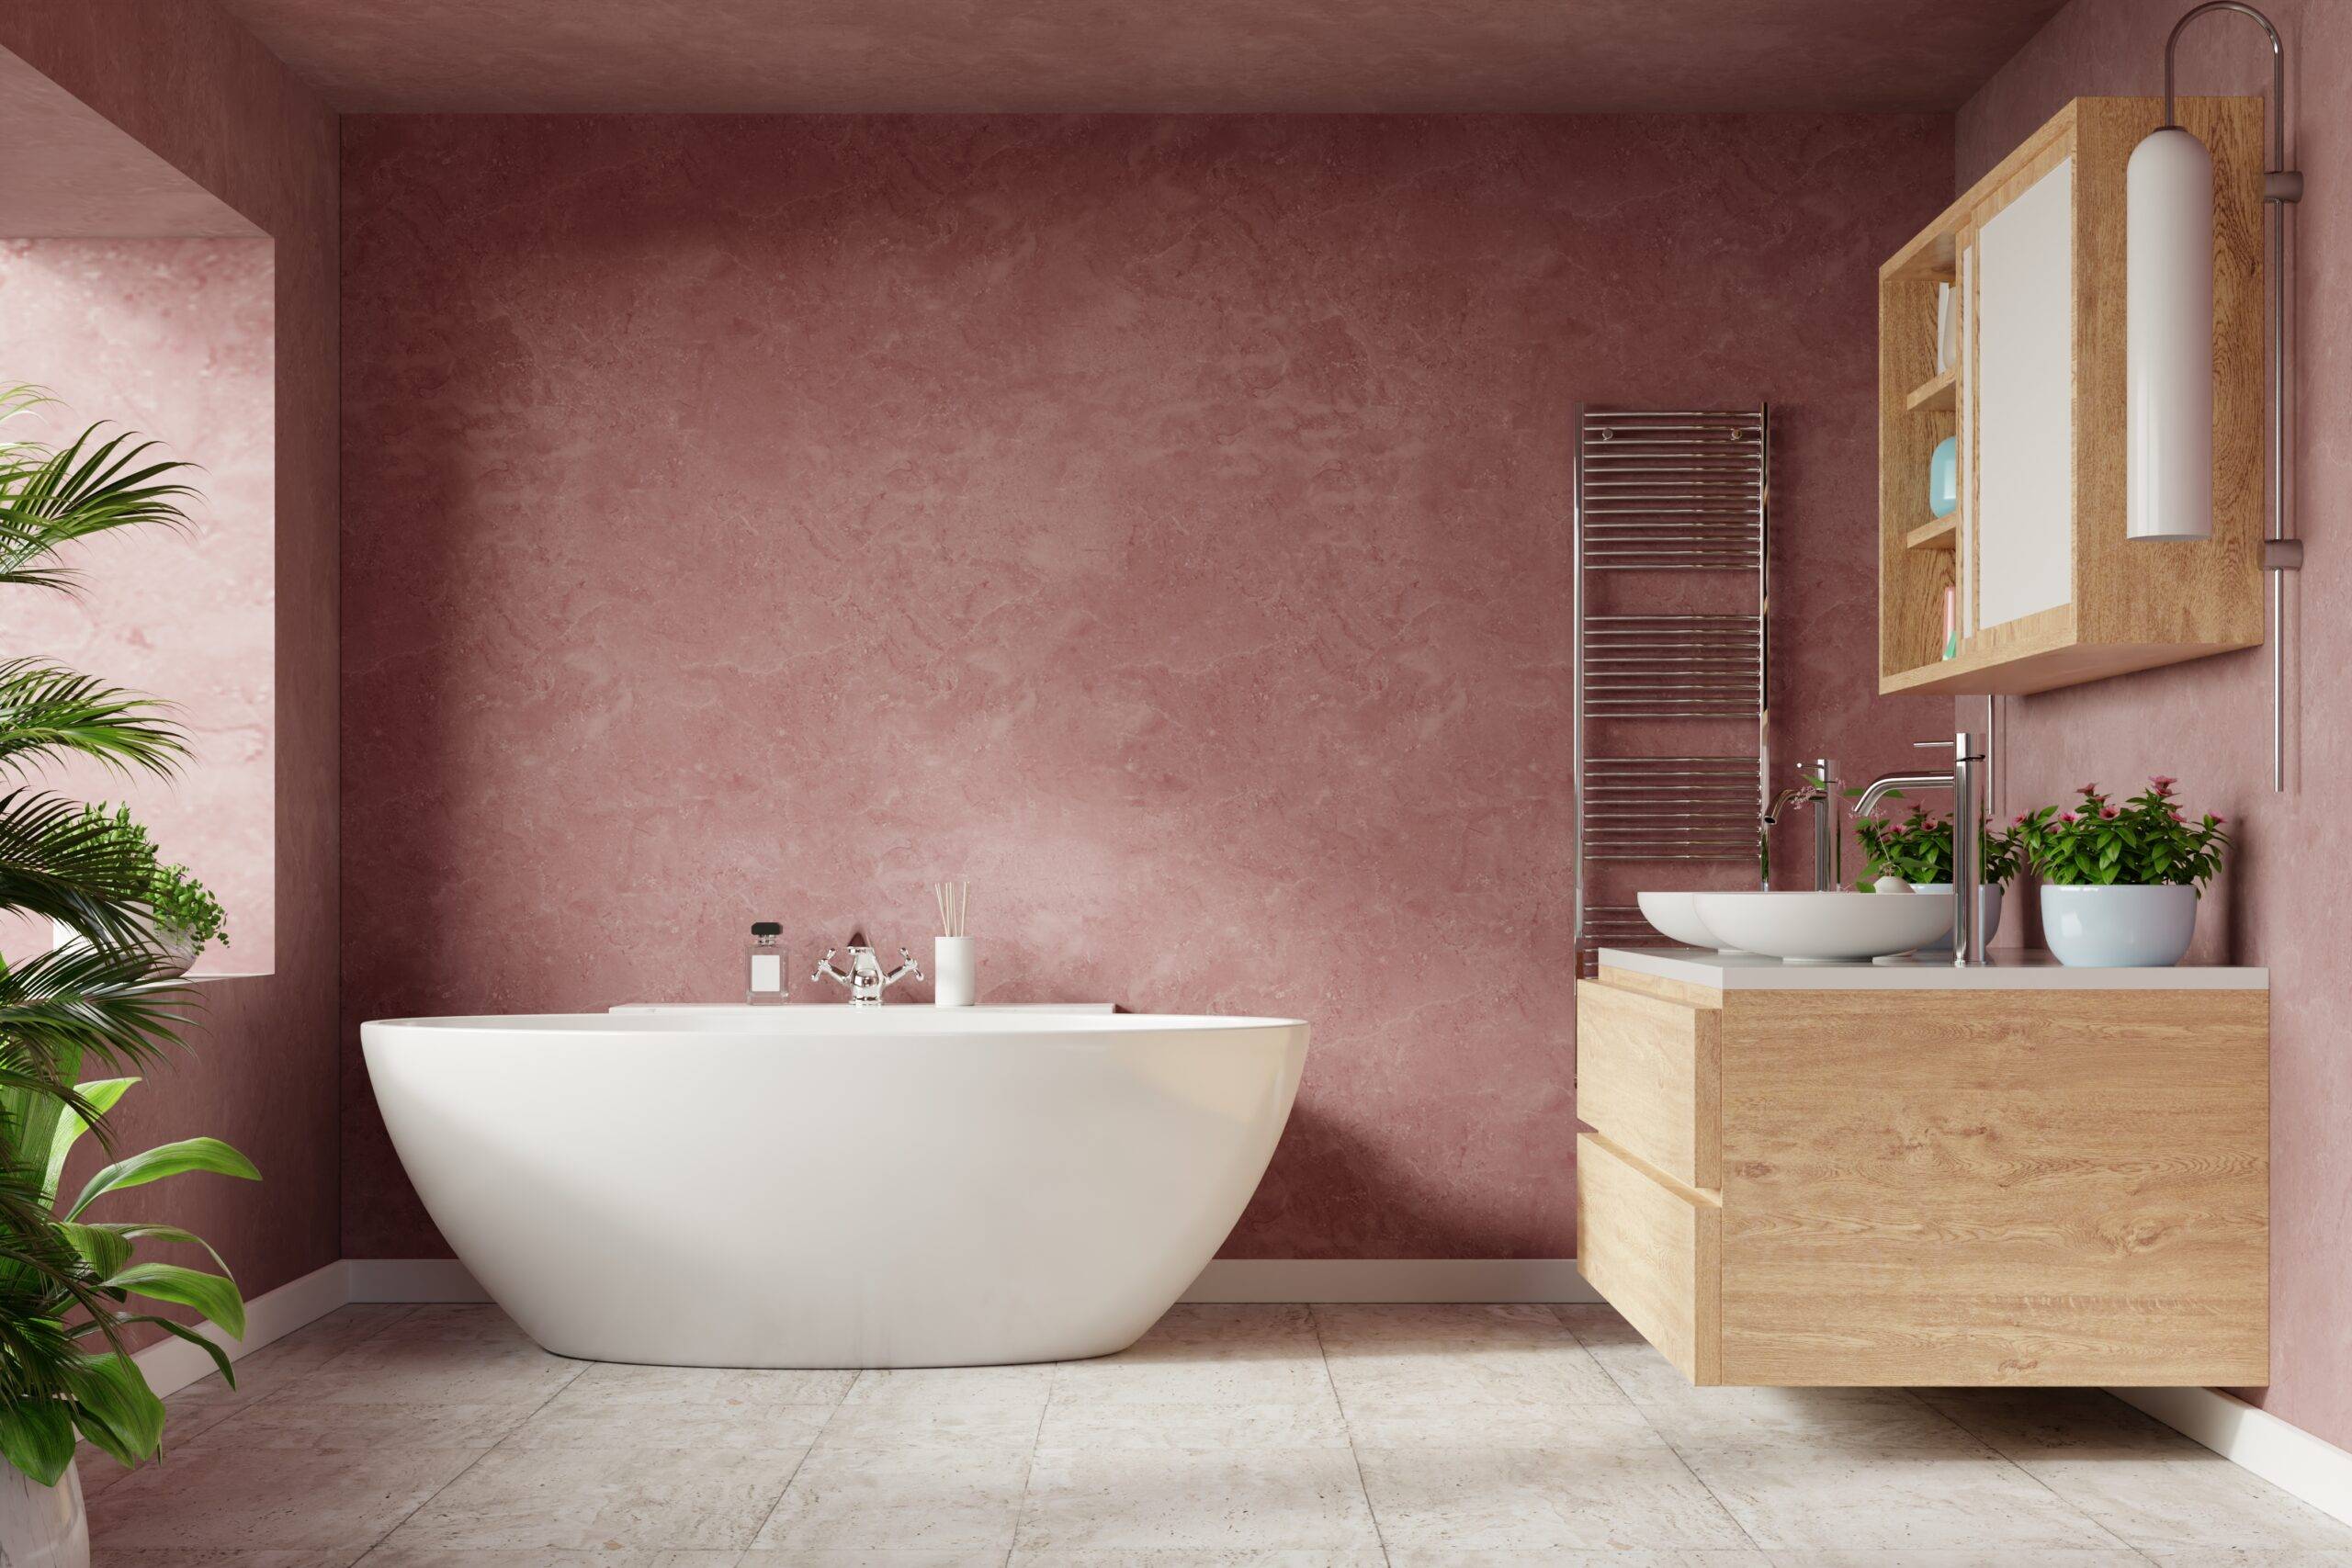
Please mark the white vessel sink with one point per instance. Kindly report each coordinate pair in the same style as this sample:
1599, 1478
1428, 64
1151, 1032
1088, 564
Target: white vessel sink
1825, 928
1675, 916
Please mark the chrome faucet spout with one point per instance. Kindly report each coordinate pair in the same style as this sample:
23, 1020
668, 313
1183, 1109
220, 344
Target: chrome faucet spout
864, 978
1966, 782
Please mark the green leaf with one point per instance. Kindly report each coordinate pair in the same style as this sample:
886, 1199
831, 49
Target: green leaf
167, 1159
140, 1230
220, 1356
213, 1295
104, 1251
101, 1096
37, 1436
111, 1394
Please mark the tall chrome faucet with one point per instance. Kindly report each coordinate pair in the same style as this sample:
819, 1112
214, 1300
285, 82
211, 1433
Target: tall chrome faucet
1966, 782
865, 980
1817, 785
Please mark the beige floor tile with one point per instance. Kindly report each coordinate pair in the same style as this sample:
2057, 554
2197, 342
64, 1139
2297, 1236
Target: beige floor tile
1930, 1490
389, 1556
929, 1495
203, 1557
443, 1370
1457, 1355
1619, 1489
2223, 1557
614, 1407
1374, 1423
1194, 1322
1216, 1426
1200, 1372
2148, 1485
990, 1557
1364, 1557
895, 1424
255, 1499
1964, 1557
1192, 1499
1444, 1324
1668, 1558
290, 1422
954, 1387
577, 1499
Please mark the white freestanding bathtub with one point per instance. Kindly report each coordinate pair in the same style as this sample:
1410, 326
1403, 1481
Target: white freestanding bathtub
805, 1186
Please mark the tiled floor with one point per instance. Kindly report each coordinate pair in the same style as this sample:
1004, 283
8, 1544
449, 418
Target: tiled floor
1339, 1437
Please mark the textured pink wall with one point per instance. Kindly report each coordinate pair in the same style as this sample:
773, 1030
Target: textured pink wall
207, 99
1161, 522
2284, 903
174, 339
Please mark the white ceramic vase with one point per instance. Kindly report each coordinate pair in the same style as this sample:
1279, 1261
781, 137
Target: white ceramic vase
1988, 909
42, 1527
2118, 928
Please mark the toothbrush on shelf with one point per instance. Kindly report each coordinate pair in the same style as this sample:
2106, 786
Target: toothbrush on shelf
953, 969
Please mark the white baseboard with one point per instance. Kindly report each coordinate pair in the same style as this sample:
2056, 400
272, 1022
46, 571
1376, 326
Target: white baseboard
1391, 1279
2285, 1455
173, 1364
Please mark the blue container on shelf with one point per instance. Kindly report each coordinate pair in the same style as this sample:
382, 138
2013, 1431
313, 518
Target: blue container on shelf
1943, 476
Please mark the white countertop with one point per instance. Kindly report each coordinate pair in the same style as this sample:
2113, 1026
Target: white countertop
2011, 970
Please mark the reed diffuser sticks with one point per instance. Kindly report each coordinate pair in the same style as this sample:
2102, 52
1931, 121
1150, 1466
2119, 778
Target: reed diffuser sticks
954, 899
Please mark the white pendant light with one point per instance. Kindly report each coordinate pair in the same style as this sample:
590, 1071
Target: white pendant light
2168, 342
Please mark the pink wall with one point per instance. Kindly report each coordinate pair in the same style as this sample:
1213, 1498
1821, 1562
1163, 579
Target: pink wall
209, 100
1161, 521
2283, 903
174, 339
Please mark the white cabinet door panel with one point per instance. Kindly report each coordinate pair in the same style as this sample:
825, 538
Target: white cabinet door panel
2024, 531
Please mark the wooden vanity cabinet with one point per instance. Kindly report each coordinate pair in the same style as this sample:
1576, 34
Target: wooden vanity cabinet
1848, 1188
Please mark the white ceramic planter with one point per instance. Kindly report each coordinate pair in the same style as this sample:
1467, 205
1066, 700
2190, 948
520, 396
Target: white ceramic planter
2118, 928
1988, 907
42, 1527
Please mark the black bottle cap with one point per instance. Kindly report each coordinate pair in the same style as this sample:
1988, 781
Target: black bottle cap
767, 927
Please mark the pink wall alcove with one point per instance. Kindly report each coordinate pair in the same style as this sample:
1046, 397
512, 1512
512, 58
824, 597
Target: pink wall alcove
1161, 521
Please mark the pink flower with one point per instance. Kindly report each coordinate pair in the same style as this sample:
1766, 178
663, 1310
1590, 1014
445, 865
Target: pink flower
2163, 782
2019, 821
2217, 821
2090, 790
2068, 816
2108, 811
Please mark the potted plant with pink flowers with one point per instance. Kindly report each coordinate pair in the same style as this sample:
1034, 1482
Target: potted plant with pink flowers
2119, 884
1916, 848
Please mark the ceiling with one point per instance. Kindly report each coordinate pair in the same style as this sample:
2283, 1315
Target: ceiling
1283, 56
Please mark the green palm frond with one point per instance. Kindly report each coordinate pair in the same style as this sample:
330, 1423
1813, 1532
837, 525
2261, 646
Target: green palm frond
45, 711
59, 862
106, 1004
51, 498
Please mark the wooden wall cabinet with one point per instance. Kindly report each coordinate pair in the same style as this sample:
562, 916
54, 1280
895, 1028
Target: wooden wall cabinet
1798, 1187
2049, 591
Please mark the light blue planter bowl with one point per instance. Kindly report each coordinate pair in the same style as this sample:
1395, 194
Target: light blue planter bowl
1943, 476
2118, 928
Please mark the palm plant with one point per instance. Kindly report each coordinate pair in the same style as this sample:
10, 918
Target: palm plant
64, 1282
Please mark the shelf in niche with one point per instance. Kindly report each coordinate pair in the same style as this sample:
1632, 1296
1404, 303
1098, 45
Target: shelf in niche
1936, 534
1941, 392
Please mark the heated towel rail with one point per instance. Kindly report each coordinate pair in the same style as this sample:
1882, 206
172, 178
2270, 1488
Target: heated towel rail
1672, 601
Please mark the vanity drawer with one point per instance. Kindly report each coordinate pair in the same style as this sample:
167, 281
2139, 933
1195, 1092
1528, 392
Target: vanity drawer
1649, 1078
1653, 1249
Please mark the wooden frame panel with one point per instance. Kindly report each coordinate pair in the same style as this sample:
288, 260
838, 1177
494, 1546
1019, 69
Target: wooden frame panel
1648, 1072
2033, 1187
1653, 1249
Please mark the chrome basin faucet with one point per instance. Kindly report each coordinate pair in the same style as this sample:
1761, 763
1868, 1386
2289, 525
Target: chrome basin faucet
865, 980
1971, 768
1817, 786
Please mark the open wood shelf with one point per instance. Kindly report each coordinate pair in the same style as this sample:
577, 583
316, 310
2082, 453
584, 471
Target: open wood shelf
1940, 391
1935, 535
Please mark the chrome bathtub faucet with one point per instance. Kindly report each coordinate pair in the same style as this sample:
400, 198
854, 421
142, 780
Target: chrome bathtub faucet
865, 980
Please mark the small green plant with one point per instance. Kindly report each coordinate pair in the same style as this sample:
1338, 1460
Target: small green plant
2147, 842
1918, 848
182, 904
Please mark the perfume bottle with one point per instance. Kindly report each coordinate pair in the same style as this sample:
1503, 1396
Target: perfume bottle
765, 966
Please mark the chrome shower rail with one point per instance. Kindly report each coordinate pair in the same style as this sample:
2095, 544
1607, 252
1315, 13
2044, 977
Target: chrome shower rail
1667, 491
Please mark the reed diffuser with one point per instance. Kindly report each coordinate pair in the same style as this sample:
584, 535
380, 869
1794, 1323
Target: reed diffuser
954, 970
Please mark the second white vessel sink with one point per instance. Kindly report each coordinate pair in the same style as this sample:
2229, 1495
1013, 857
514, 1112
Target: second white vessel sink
1827, 928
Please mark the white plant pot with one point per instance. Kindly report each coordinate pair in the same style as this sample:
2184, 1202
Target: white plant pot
42, 1527
178, 950
2118, 928
1988, 909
